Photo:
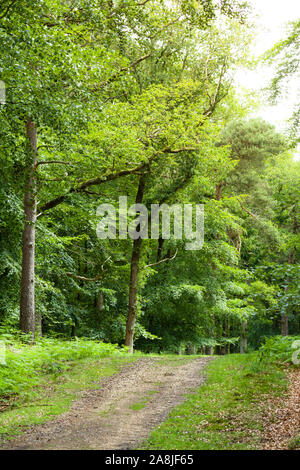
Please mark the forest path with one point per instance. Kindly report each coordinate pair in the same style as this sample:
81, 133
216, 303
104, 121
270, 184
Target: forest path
124, 410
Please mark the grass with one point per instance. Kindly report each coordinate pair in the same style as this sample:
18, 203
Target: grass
41, 381
173, 360
225, 413
139, 405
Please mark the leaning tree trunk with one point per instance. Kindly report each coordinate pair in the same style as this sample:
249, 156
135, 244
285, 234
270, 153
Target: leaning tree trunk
27, 303
134, 277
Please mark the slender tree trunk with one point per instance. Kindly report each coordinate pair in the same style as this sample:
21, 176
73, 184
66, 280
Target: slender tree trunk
284, 325
226, 334
27, 302
134, 277
191, 349
219, 191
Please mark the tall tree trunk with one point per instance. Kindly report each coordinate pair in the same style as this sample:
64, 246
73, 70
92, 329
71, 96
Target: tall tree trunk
27, 303
134, 276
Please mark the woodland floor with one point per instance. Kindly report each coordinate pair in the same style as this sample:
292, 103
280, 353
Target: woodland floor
282, 418
123, 409
122, 412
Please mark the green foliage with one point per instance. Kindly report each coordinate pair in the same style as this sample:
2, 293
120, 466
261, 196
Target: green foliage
285, 55
279, 349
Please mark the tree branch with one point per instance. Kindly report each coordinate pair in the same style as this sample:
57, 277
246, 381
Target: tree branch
246, 210
93, 279
82, 278
51, 162
124, 69
7, 9
111, 177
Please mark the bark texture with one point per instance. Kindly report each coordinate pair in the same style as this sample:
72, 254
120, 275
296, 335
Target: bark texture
27, 300
134, 276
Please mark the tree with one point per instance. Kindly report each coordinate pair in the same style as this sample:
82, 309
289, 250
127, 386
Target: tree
56, 68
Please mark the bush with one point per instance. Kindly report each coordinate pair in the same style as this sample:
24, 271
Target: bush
279, 349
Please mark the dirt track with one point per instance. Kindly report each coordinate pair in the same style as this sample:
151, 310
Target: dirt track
123, 411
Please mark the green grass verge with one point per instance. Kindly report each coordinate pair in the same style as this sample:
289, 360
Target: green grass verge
225, 413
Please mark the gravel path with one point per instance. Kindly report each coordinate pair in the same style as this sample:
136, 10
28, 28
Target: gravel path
122, 413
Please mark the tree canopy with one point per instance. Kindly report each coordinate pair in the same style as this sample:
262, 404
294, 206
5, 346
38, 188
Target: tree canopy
136, 98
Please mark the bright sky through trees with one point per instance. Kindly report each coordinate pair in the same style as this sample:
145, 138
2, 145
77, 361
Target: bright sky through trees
271, 18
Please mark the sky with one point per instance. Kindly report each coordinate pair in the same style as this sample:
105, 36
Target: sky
271, 24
